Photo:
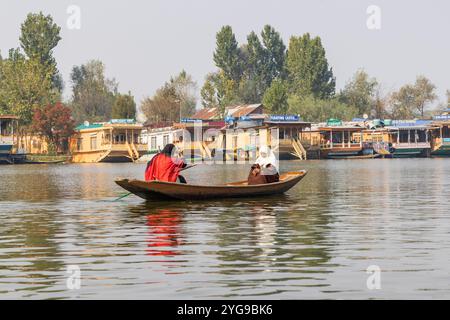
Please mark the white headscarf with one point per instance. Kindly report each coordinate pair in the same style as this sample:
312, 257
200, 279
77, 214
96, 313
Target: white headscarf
266, 156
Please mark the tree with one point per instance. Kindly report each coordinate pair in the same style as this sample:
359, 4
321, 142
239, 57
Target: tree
319, 110
275, 54
448, 98
185, 90
174, 100
227, 55
307, 68
25, 85
39, 36
276, 97
93, 93
208, 93
124, 107
163, 106
360, 92
412, 99
424, 94
403, 102
55, 123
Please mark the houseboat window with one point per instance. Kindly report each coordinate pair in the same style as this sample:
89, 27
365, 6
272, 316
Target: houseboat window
254, 140
79, 144
445, 132
421, 136
108, 137
119, 138
136, 138
5, 128
94, 142
412, 136
153, 143
165, 139
356, 137
346, 136
403, 136
281, 134
337, 137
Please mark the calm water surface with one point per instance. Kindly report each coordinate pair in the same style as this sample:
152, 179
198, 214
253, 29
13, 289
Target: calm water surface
314, 242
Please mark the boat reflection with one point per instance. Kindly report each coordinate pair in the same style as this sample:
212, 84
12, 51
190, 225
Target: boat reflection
164, 233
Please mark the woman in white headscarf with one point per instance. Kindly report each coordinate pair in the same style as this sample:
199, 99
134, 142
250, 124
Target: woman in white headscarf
265, 169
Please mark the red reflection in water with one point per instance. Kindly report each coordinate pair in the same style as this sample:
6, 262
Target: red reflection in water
164, 230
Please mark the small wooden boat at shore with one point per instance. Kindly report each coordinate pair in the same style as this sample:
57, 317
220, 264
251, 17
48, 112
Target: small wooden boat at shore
158, 190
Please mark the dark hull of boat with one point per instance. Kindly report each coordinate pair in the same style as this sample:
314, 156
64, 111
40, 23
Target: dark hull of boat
157, 190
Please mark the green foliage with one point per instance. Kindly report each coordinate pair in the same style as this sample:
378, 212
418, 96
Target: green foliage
25, 85
227, 55
93, 93
276, 98
307, 68
245, 72
30, 81
412, 99
39, 36
319, 110
174, 100
208, 93
274, 54
124, 107
360, 93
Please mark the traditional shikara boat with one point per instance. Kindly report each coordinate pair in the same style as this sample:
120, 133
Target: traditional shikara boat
158, 190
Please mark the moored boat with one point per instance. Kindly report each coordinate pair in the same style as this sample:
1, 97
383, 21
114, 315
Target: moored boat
409, 139
159, 190
440, 143
115, 141
338, 141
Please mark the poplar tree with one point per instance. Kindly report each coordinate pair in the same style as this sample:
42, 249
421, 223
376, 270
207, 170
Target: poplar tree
308, 69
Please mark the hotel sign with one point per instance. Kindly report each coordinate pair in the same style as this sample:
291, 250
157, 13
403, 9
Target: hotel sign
442, 117
284, 118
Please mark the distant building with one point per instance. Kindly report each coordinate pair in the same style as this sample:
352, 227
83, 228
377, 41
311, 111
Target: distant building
207, 114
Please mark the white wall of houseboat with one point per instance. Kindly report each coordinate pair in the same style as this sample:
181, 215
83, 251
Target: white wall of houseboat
156, 139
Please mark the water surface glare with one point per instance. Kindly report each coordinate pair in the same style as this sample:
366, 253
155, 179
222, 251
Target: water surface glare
316, 241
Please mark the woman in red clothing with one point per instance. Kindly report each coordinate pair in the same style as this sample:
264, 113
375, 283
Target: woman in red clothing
164, 167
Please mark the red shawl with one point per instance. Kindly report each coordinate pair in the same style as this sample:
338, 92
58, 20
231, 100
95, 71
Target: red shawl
163, 168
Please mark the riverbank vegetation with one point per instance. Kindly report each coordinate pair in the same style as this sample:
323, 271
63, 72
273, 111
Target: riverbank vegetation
294, 78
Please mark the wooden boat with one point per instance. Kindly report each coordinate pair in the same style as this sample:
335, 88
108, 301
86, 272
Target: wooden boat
158, 190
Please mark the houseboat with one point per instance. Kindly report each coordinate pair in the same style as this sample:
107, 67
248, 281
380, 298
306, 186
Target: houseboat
409, 138
440, 136
156, 136
9, 140
338, 141
294, 135
118, 140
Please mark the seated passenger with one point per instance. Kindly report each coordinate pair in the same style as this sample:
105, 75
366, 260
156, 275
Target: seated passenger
255, 176
266, 167
165, 166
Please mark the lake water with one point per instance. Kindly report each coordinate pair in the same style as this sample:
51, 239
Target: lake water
316, 241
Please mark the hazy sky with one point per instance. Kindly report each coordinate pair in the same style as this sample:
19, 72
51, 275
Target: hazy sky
143, 43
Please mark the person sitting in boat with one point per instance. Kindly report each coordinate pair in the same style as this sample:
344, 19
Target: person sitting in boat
165, 166
265, 169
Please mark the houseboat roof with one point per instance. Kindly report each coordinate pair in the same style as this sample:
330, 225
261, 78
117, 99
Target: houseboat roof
340, 128
412, 127
243, 110
113, 123
8, 117
207, 114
